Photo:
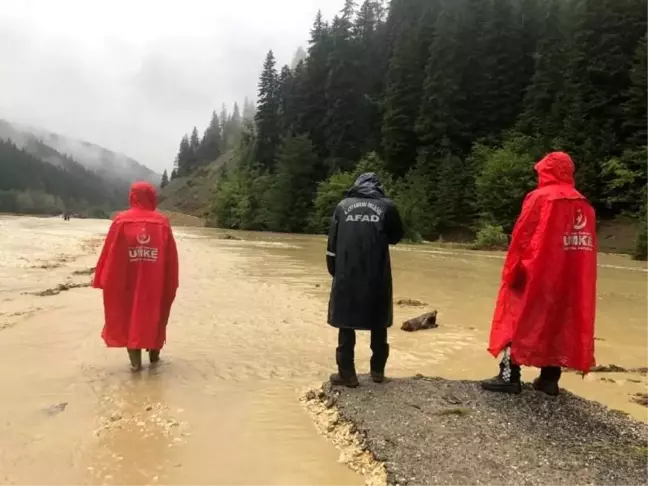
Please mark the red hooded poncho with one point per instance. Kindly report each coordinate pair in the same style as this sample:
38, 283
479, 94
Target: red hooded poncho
138, 272
547, 299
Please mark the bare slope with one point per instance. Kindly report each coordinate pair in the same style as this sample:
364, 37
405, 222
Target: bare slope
193, 194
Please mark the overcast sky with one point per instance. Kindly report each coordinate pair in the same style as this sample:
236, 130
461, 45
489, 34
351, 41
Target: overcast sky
134, 75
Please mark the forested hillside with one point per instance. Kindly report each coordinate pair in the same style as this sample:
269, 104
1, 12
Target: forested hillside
452, 102
29, 185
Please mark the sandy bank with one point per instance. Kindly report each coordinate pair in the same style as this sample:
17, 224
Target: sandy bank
434, 431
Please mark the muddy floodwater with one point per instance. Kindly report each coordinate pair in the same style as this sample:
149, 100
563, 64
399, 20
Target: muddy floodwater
247, 335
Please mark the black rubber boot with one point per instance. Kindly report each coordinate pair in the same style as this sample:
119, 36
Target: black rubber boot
345, 359
154, 356
547, 382
135, 356
348, 380
508, 380
379, 354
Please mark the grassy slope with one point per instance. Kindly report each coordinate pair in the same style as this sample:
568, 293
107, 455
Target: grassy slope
192, 195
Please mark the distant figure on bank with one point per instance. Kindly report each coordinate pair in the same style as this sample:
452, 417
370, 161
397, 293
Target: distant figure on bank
545, 309
363, 226
138, 272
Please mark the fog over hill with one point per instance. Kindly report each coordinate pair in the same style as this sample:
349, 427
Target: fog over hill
109, 165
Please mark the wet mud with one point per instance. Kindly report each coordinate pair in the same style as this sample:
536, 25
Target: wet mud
247, 334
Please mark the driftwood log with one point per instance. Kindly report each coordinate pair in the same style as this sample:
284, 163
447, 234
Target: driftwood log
425, 321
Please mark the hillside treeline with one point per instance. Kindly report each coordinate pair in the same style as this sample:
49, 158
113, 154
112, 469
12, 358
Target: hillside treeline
30, 185
222, 133
452, 102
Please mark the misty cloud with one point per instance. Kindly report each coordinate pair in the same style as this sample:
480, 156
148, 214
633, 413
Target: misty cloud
135, 76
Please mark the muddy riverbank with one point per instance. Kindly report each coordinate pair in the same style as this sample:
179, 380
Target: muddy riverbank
247, 335
434, 431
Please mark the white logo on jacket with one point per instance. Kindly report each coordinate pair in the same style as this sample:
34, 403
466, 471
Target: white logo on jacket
363, 218
143, 253
578, 239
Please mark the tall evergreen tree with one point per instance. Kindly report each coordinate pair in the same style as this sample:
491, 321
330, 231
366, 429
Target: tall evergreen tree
185, 157
194, 146
403, 91
249, 110
211, 144
542, 116
636, 106
315, 108
267, 119
165, 180
345, 133
291, 198
299, 56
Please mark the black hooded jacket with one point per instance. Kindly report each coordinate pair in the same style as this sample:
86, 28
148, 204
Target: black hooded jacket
363, 226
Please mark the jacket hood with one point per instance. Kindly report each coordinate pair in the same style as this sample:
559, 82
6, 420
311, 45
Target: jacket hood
555, 168
367, 185
143, 196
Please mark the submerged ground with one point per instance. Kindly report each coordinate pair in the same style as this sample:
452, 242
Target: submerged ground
247, 336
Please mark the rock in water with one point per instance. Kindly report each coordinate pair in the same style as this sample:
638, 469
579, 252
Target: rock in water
56, 409
426, 321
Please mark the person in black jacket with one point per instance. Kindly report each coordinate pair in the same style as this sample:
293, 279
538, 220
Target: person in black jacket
363, 226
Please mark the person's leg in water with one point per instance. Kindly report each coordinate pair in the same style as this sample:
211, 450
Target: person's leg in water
379, 354
345, 358
508, 380
548, 380
135, 356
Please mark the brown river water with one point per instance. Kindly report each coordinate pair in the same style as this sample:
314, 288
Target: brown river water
247, 336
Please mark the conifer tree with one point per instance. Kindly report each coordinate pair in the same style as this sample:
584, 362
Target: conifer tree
635, 107
403, 92
165, 180
267, 120
211, 144
291, 198
185, 157
317, 73
345, 134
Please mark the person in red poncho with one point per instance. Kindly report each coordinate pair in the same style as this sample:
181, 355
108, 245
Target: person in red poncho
545, 309
138, 272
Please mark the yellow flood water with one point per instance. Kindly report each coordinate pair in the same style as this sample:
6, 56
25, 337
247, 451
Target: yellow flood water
247, 335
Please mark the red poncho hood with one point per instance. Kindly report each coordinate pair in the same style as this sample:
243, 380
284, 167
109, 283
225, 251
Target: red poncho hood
555, 168
143, 196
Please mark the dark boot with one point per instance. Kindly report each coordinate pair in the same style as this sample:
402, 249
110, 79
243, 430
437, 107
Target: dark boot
154, 355
135, 356
350, 381
547, 382
508, 380
345, 359
379, 354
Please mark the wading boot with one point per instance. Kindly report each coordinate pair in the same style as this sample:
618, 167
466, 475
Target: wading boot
154, 356
377, 376
508, 380
135, 356
498, 384
379, 355
547, 382
350, 380
548, 387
